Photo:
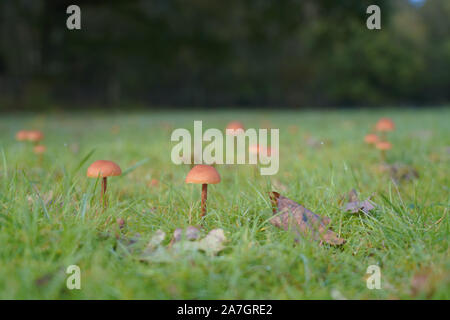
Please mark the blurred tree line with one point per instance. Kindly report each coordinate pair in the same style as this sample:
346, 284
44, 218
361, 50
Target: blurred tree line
205, 53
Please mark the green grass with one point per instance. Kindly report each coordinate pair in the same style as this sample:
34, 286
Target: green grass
50, 215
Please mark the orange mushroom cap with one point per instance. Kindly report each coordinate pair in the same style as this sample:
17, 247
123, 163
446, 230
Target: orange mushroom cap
385, 124
40, 149
371, 138
203, 174
256, 149
35, 136
384, 145
103, 168
22, 135
234, 126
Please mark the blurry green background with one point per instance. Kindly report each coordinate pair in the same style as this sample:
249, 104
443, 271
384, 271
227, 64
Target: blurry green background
203, 53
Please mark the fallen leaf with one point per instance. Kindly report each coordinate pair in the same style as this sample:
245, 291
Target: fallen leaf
43, 280
419, 283
156, 240
191, 233
354, 205
289, 215
211, 244
424, 282
127, 245
120, 223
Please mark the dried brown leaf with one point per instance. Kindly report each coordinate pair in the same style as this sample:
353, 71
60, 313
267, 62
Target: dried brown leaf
290, 215
354, 205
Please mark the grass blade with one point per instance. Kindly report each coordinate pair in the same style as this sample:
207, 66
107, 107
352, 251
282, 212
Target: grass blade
83, 205
5, 167
83, 161
135, 166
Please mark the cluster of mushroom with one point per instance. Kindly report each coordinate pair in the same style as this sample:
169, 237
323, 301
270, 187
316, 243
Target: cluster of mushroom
379, 139
199, 174
35, 137
235, 128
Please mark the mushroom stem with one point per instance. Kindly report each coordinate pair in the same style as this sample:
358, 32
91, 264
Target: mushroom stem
104, 185
204, 196
383, 156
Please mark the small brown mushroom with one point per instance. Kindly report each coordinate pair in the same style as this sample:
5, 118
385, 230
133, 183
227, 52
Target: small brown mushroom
103, 169
39, 149
203, 174
257, 149
371, 138
383, 146
22, 135
234, 128
385, 125
35, 136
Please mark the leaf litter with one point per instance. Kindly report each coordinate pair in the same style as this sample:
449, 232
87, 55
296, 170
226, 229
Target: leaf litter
184, 241
292, 216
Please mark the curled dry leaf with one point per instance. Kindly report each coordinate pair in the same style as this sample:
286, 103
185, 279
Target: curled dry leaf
290, 215
353, 204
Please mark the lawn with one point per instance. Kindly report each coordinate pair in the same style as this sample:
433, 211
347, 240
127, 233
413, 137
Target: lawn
51, 216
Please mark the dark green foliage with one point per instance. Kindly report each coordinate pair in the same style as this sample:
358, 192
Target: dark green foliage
215, 53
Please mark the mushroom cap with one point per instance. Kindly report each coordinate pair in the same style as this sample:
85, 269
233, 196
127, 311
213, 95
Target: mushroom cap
234, 125
371, 138
35, 135
256, 149
103, 168
384, 145
385, 124
40, 149
203, 174
22, 135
